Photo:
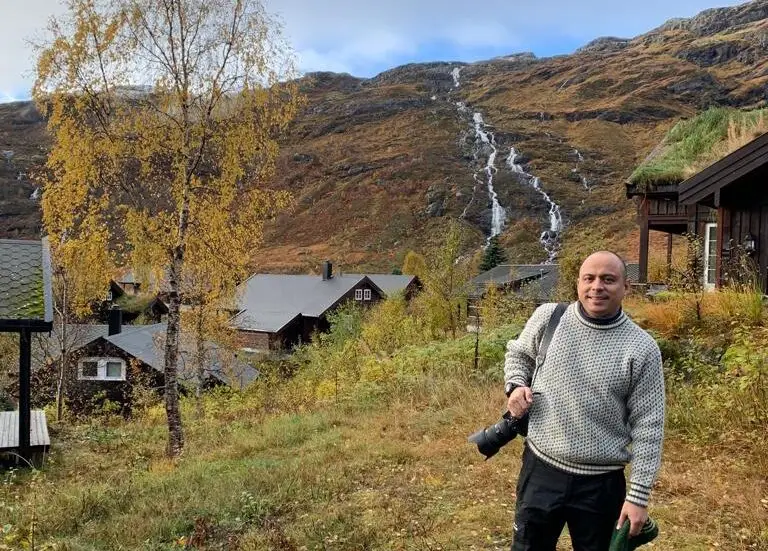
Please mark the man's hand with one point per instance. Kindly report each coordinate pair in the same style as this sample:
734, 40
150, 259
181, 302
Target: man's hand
637, 516
519, 401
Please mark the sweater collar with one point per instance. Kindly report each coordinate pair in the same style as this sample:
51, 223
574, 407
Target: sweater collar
600, 323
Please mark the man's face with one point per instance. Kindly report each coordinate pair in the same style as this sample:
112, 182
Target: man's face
601, 286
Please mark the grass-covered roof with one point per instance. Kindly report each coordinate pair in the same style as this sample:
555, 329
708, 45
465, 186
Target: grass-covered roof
696, 143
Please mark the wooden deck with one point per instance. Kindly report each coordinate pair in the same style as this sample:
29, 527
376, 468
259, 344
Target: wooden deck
9, 431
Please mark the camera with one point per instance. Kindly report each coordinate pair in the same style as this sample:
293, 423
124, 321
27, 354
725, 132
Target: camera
490, 440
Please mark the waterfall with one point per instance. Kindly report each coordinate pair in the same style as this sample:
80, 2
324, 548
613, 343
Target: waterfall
550, 238
584, 181
488, 140
455, 74
485, 143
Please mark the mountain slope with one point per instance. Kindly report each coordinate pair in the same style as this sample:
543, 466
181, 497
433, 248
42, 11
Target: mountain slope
379, 166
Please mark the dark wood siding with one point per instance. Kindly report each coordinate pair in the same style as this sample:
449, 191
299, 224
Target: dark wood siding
289, 336
84, 396
665, 207
736, 223
258, 340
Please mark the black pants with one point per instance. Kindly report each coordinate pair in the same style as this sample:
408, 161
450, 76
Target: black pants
548, 499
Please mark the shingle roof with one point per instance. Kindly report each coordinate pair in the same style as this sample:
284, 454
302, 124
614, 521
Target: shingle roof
47, 347
146, 343
269, 301
391, 283
508, 273
537, 281
25, 281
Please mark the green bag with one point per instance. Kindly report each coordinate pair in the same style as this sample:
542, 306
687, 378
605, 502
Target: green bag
622, 542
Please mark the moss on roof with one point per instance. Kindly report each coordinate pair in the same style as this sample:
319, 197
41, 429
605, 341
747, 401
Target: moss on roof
22, 293
695, 143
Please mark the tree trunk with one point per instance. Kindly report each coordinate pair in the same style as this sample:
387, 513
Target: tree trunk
200, 360
63, 355
175, 431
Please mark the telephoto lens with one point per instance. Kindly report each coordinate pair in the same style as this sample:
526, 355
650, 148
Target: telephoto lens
490, 440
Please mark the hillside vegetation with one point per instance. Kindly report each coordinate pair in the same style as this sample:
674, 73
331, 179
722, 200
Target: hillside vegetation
359, 442
379, 166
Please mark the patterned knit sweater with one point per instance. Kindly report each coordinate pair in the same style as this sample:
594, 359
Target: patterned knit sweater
598, 398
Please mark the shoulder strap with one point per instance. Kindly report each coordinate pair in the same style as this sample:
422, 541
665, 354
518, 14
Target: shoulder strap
554, 320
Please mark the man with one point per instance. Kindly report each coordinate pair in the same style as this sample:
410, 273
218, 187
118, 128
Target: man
596, 404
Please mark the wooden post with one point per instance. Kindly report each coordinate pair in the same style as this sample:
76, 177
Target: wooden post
477, 336
25, 374
721, 212
644, 235
669, 257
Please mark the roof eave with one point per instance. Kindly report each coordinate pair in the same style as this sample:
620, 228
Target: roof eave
33, 325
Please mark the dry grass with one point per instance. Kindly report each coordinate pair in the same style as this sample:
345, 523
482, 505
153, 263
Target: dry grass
674, 314
740, 132
387, 473
667, 318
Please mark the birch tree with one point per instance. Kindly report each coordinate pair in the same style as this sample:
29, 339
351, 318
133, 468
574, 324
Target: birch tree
74, 291
443, 300
165, 116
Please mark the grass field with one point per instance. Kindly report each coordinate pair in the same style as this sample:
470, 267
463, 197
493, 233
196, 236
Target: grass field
381, 466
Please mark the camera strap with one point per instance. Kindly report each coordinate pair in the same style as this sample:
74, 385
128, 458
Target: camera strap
554, 320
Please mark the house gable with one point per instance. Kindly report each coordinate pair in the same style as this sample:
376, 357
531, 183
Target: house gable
746, 162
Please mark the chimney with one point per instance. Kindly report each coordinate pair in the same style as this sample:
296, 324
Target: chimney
115, 321
327, 270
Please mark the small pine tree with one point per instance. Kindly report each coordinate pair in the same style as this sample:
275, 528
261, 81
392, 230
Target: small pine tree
493, 255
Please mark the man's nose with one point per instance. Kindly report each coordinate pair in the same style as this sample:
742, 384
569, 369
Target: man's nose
598, 284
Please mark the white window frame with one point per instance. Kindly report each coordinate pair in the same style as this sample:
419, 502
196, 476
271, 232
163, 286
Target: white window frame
101, 369
366, 294
358, 294
707, 251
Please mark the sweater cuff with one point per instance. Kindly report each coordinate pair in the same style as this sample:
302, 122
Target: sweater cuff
638, 494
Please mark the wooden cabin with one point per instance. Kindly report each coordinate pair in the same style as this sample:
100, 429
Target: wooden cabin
726, 204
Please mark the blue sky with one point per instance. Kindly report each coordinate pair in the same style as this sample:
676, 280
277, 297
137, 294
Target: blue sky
365, 37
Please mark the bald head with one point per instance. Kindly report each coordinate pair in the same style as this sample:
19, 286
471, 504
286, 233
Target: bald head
606, 254
602, 284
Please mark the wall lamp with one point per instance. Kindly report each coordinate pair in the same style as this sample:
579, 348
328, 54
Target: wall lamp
750, 244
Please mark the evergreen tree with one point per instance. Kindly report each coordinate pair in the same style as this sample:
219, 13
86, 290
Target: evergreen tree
493, 255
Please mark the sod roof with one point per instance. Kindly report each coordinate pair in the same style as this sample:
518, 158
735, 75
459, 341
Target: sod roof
696, 143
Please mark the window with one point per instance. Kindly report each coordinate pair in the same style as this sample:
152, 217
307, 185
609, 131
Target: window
367, 294
89, 369
109, 296
114, 370
710, 255
102, 369
358, 294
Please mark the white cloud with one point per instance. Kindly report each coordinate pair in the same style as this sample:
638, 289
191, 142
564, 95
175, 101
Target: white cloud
21, 21
310, 60
363, 36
